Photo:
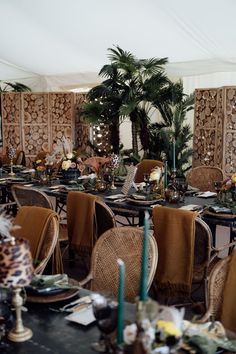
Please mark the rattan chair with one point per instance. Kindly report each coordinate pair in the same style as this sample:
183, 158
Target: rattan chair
145, 166
125, 243
20, 158
48, 247
26, 196
216, 286
203, 177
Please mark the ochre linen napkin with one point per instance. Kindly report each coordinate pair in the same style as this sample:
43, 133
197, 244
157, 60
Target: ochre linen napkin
174, 230
81, 221
228, 315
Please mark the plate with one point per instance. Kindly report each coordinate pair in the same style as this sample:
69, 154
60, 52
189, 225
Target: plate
43, 291
142, 202
64, 295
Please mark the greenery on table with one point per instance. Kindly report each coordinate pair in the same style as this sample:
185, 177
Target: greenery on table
230, 204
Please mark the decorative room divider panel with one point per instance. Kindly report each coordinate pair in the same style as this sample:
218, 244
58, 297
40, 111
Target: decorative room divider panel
214, 141
34, 121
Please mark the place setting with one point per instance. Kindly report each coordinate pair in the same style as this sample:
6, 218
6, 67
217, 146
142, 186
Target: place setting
50, 288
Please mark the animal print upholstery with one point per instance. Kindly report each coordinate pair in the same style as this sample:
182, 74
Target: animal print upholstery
16, 267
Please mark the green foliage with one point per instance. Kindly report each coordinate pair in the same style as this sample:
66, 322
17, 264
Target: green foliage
131, 88
161, 136
134, 88
14, 87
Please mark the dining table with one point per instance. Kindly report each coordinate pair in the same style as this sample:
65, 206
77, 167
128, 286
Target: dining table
116, 200
54, 334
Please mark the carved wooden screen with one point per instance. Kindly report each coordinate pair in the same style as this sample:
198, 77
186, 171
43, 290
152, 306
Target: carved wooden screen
11, 119
229, 152
214, 141
35, 127
207, 141
33, 121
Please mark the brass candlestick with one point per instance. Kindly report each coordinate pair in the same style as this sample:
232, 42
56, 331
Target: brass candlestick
11, 172
19, 333
16, 271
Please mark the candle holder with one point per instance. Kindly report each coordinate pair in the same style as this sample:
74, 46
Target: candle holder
19, 333
172, 194
105, 311
113, 187
11, 169
11, 152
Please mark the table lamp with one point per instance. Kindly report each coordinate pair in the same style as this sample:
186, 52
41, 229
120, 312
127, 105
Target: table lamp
16, 271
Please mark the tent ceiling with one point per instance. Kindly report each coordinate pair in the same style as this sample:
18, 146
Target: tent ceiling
64, 37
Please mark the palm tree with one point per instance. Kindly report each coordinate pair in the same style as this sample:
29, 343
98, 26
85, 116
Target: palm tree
131, 88
139, 76
162, 136
13, 87
104, 102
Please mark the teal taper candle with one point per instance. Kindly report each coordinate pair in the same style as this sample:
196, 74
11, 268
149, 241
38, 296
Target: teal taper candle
121, 296
144, 265
174, 166
165, 175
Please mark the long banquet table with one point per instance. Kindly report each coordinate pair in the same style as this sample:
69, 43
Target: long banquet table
52, 333
212, 219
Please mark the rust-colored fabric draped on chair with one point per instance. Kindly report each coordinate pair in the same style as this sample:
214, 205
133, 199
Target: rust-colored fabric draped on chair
41, 227
87, 218
174, 230
145, 166
203, 177
81, 222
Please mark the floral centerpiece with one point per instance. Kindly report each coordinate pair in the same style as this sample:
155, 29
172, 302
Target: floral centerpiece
227, 193
229, 184
163, 330
71, 165
155, 180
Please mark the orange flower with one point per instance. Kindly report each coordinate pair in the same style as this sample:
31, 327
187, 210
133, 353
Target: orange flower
96, 162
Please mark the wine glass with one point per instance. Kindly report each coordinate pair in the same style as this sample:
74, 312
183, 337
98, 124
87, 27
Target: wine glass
105, 312
182, 187
217, 185
146, 179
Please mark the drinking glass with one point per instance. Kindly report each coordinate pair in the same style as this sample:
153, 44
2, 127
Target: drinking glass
217, 185
105, 312
146, 179
182, 187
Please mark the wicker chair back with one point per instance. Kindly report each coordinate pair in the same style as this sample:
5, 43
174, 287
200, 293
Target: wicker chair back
203, 177
125, 243
26, 196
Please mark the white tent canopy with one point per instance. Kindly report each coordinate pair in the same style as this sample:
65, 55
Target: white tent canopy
58, 44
